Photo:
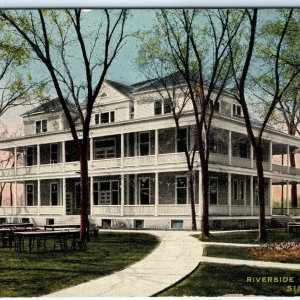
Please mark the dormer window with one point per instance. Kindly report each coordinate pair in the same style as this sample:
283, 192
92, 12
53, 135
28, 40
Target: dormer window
104, 95
215, 105
162, 106
105, 117
237, 110
41, 126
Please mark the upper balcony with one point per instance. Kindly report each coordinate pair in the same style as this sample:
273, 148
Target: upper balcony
136, 151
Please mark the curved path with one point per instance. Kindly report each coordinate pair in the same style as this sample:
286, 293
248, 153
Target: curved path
177, 255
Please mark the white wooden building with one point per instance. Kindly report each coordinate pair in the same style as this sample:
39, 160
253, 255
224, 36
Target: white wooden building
137, 170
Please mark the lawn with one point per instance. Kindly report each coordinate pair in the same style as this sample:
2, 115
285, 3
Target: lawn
36, 274
249, 237
217, 280
285, 256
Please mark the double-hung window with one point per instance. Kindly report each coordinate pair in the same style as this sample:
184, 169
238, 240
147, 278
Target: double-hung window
105, 149
54, 193
105, 117
181, 190
53, 153
41, 126
237, 110
145, 191
144, 143
29, 194
162, 106
29, 156
182, 140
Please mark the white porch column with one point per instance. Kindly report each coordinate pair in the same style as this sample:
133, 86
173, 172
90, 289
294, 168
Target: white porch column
64, 197
38, 157
229, 148
122, 149
39, 195
91, 195
200, 194
229, 194
271, 154
156, 147
122, 195
251, 196
136, 187
15, 160
156, 193
288, 158
251, 156
63, 154
15, 196
270, 195
91, 150
286, 197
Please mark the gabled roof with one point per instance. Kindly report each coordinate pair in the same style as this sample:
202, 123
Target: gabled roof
120, 87
46, 106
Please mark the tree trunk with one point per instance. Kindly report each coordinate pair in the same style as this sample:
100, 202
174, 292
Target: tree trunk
205, 198
84, 191
293, 185
11, 194
261, 196
192, 199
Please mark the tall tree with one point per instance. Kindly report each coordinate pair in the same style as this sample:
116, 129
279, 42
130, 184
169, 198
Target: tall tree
288, 108
243, 55
195, 44
77, 51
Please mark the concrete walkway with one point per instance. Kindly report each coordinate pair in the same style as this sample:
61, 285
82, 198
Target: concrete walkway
177, 255
250, 263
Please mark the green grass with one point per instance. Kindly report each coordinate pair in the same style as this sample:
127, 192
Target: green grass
217, 280
36, 274
249, 237
227, 252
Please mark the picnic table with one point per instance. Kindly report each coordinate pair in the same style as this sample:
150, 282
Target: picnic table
16, 225
61, 236
61, 226
7, 235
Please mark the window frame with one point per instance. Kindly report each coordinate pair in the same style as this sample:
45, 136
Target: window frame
43, 126
32, 155
53, 161
186, 137
111, 190
235, 109
160, 108
26, 194
176, 192
144, 143
235, 191
106, 157
209, 185
52, 183
140, 190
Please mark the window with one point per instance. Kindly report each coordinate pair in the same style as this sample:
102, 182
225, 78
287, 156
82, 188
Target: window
157, 107
167, 106
112, 116
104, 95
77, 195
213, 103
106, 223
138, 224
237, 110
54, 196
162, 106
29, 151
106, 193
213, 190
176, 224
144, 143
53, 153
29, 194
41, 126
235, 189
144, 191
106, 117
182, 140
242, 190
243, 150
181, 190
239, 191
212, 145
131, 112
105, 149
